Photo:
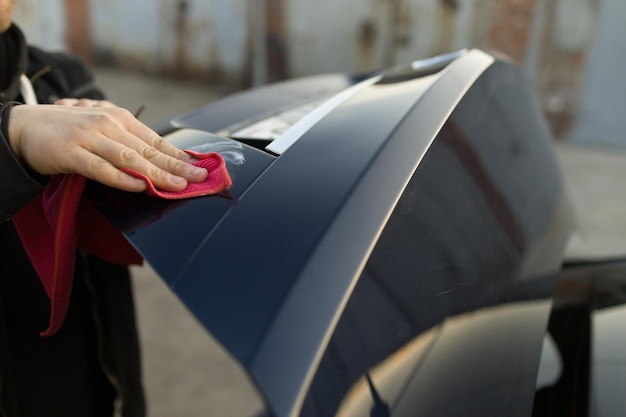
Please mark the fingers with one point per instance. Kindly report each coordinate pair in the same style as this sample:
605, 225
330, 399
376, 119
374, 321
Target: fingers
151, 138
101, 170
165, 172
139, 148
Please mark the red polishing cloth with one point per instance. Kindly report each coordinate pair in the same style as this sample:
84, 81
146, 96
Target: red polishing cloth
52, 226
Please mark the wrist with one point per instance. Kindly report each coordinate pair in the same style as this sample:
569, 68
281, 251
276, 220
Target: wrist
9, 130
12, 133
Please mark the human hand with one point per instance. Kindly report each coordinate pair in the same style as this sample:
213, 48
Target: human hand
96, 141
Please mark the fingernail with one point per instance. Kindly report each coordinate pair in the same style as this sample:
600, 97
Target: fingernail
197, 171
177, 180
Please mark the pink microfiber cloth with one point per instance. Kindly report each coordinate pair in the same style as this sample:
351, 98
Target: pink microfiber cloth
59, 221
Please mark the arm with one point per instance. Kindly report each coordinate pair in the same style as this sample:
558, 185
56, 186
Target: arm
93, 142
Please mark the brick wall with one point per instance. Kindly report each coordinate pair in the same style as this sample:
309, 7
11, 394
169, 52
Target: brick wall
78, 32
509, 28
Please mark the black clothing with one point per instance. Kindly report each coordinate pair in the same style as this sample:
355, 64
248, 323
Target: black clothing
13, 58
94, 358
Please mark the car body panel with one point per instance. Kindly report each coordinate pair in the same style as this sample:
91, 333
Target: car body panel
424, 208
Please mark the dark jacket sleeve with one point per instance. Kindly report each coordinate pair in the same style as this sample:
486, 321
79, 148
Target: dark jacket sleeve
17, 186
63, 76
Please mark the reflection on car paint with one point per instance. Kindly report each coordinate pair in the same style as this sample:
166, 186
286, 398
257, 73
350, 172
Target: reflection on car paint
448, 315
230, 150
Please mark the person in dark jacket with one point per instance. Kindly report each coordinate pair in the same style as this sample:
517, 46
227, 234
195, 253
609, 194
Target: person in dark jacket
91, 366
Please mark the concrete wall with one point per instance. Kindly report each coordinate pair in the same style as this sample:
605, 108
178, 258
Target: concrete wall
326, 35
244, 42
221, 37
192, 37
601, 118
200, 38
43, 21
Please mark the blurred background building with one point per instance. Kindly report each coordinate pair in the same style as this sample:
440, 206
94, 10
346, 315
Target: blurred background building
561, 43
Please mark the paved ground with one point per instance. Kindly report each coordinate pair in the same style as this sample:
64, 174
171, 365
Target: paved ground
186, 372
595, 177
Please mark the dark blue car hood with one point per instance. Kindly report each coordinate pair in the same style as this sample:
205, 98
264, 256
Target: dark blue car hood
272, 267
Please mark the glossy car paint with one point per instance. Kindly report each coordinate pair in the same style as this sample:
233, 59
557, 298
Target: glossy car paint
397, 258
449, 314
